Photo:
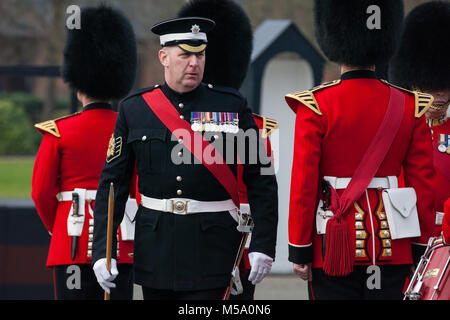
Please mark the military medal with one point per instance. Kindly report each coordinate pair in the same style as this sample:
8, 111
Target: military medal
235, 122
221, 126
447, 138
443, 143
210, 122
230, 123
207, 122
223, 122
216, 122
226, 126
227, 122
195, 121
202, 121
233, 128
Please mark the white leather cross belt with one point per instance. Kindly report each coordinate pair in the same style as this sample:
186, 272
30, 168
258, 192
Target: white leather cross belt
186, 206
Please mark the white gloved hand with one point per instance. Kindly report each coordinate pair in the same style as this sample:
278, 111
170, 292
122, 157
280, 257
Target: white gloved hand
104, 277
261, 265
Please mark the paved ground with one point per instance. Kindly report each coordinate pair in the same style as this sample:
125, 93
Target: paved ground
281, 287
274, 287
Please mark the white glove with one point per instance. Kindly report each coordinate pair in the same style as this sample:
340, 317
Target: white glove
261, 265
104, 277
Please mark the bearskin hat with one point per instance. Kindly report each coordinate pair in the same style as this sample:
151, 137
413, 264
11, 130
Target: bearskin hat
346, 34
421, 61
230, 43
100, 57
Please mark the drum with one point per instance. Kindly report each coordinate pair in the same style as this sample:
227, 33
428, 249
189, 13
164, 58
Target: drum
431, 278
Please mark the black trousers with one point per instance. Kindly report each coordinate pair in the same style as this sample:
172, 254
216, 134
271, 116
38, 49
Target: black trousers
361, 284
159, 294
78, 282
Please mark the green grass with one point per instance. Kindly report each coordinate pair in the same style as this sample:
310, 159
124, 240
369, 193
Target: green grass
15, 177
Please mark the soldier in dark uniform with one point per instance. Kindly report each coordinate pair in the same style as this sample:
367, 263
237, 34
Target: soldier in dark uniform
350, 251
100, 64
186, 237
416, 67
227, 65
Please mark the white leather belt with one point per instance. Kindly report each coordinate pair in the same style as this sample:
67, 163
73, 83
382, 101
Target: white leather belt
377, 182
186, 206
67, 195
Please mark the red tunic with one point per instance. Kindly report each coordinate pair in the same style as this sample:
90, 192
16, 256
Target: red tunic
335, 124
441, 162
442, 165
71, 155
446, 222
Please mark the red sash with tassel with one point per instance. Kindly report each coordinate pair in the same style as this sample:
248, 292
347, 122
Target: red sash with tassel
340, 254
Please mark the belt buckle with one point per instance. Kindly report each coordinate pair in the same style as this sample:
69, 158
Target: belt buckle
179, 206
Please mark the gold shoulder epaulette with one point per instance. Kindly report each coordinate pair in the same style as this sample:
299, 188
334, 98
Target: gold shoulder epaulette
423, 101
307, 97
268, 125
50, 125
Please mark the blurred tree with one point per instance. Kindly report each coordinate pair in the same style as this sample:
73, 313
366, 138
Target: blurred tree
16, 130
31, 104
